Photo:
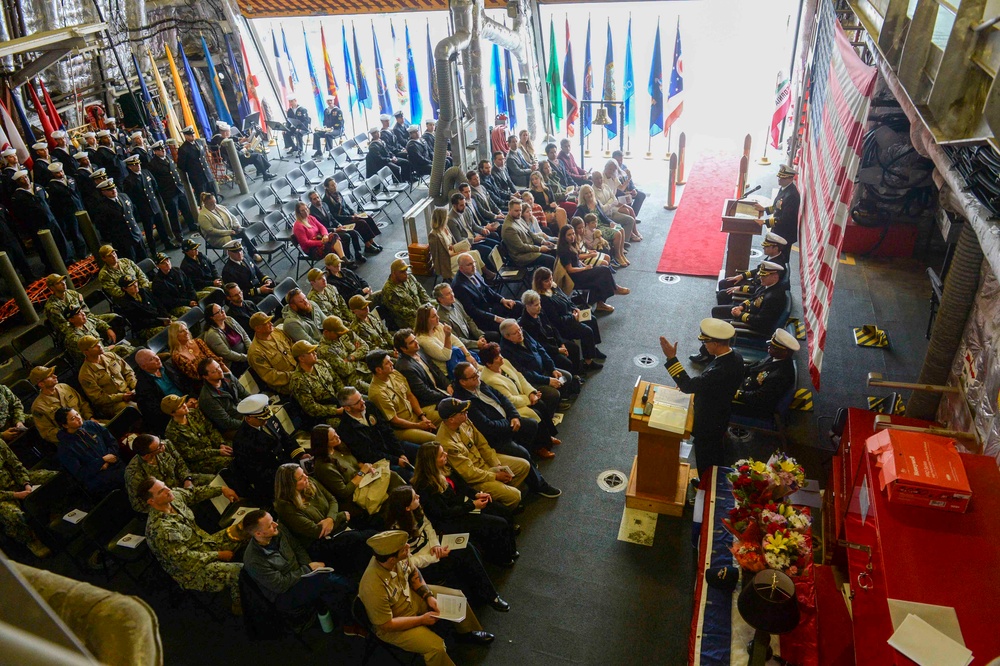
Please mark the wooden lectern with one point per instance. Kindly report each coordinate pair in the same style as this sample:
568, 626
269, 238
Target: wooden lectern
658, 481
739, 220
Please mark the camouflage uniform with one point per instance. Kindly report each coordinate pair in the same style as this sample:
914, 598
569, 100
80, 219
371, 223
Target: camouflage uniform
11, 409
316, 392
43, 410
98, 329
404, 299
374, 332
188, 553
198, 442
169, 468
55, 311
332, 303
108, 277
106, 383
346, 356
13, 477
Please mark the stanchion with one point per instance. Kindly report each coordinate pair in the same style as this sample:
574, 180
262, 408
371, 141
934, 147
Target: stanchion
741, 181
20, 296
236, 165
89, 233
672, 185
747, 140
55, 259
681, 153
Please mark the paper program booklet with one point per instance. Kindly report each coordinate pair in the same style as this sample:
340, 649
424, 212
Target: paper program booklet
451, 607
670, 410
455, 541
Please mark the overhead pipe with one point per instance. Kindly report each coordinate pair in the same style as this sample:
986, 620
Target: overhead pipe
445, 53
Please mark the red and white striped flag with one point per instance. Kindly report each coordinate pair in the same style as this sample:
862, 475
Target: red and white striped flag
782, 101
840, 95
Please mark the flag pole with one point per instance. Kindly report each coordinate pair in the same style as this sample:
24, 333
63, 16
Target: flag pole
763, 161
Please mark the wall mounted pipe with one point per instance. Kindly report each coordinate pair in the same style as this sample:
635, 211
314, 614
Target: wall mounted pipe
445, 53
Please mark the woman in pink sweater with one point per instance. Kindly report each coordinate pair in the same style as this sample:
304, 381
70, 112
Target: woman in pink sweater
312, 236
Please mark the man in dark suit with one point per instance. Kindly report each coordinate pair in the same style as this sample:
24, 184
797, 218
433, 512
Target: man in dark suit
370, 437
192, 160
171, 189
141, 189
486, 307
427, 381
765, 383
239, 308
351, 238
784, 211
713, 390
241, 270
154, 381
115, 219
497, 418
532, 361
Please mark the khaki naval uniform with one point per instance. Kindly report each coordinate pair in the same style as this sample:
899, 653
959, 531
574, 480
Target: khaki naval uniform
386, 594
272, 360
43, 410
106, 382
390, 396
472, 458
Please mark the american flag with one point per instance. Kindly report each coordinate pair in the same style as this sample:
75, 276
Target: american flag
840, 94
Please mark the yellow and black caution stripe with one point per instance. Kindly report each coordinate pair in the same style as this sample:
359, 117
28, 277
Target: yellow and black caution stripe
890, 404
800, 327
870, 336
803, 400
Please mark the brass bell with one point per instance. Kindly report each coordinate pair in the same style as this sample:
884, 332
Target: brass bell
601, 117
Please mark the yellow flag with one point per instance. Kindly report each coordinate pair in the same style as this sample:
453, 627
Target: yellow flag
185, 107
168, 108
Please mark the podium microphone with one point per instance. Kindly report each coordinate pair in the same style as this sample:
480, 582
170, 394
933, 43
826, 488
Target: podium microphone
749, 192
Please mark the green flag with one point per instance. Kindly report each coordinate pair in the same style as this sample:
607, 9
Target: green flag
553, 79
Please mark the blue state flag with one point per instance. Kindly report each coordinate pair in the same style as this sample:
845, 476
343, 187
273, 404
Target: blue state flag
588, 86
496, 80
511, 86
364, 96
349, 80
384, 100
608, 92
196, 100
629, 85
239, 80
155, 126
313, 79
656, 88
416, 103
213, 82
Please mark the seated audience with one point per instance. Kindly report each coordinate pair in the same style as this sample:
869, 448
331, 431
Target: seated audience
426, 380
540, 404
16, 483
344, 280
313, 517
314, 384
564, 353
114, 269
437, 342
391, 393
606, 195
187, 351
141, 309
51, 396
89, 453
587, 204
567, 317
79, 325
456, 508
303, 319
368, 326
533, 361
226, 339
158, 457
765, 383
452, 313
524, 248
239, 308
350, 237
172, 288
199, 268
402, 294
259, 448
63, 300
597, 280
220, 397
345, 351
270, 354
203, 447
483, 303
154, 380
194, 558
369, 435
107, 380
555, 215
326, 295
313, 238
217, 224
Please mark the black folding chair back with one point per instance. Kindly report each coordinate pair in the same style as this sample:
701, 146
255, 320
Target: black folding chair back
283, 287
108, 523
36, 346
148, 267
373, 642
270, 305
46, 507
259, 237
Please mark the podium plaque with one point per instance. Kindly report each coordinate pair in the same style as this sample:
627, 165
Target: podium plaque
658, 481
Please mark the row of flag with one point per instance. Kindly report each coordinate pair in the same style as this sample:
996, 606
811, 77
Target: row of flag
356, 91
564, 89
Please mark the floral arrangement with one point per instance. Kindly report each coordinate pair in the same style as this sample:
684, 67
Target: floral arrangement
769, 533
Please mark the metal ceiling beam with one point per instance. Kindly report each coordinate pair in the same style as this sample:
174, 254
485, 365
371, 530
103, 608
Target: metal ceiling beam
51, 39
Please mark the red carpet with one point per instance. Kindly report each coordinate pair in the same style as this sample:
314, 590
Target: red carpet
695, 246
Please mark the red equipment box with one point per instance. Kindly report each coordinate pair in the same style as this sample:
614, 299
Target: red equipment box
921, 470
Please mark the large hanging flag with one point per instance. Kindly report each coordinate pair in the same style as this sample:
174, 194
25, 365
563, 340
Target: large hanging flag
13, 136
50, 107
839, 99
656, 87
496, 80
349, 80
364, 96
196, 100
675, 95
168, 110
43, 116
416, 103
181, 96
282, 81
255, 105
588, 85
432, 74
22, 117
511, 84
569, 88
397, 65
331, 78
313, 79
155, 126
782, 102
381, 85
293, 75
628, 88
553, 79
608, 92
213, 82
239, 77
